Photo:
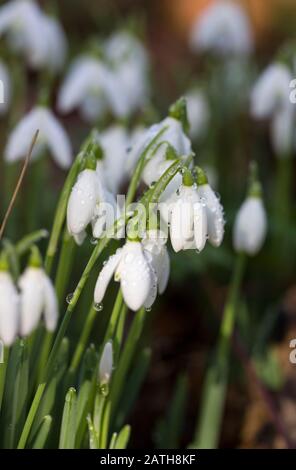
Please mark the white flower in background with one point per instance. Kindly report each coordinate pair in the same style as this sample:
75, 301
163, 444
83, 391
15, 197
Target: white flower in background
6, 88
129, 60
89, 202
106, 364
91, 87
52, 135
188, 218
29, 31
9, 306
250, 226
223, 28
133, 269
270, 99
198, 113
136, 138
114, 142
155, 244
57, 46
37, 298
214, 209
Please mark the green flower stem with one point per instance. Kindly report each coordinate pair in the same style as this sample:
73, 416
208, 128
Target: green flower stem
114, 317
31, 415
64, 268
3, 368
140, 167
215, 385
81, 345
60, 213
25, 244
126, 357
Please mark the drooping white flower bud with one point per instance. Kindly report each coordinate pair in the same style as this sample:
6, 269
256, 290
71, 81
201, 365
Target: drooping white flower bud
250, 226
198, 113
223, 28
39, 37
188, 218
9, 305
155, 244
270, 98
6, 88
135, 273
214, 209
51, 135
90, 202
37, 297
106, 364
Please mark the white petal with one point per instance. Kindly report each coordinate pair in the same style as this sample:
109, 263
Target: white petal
57, 139
200, 226
105, 276
50, 304
79, 237
224, 28
250, 226
6, 82
134, 274
21, 137
86, 81
198, 113
164, 272
150, 299
106, 363
82, 202
9, 309
31, 300
215, 214
56, 43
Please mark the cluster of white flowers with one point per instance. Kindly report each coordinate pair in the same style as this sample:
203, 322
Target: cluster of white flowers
270, 99
29, 31
22, 308
224, 29
190, 210
115, 82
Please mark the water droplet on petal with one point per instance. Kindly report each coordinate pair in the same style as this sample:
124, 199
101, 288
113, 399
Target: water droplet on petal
98, 306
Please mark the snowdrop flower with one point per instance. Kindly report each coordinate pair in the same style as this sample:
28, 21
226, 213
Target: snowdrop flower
114, 142
51, 135
154, 243
134, 271
129, 61
270, 99
250, 226
223, 28
171, 144
188, 218
106, 364
91, 87
37, 297
198, 113
9, 305
214, 209
31, 32
89, 202
5, 88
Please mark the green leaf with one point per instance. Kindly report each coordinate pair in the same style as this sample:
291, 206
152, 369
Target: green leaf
123, 438
170, 430
16, 393
133, 386
42, 433
68, 427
